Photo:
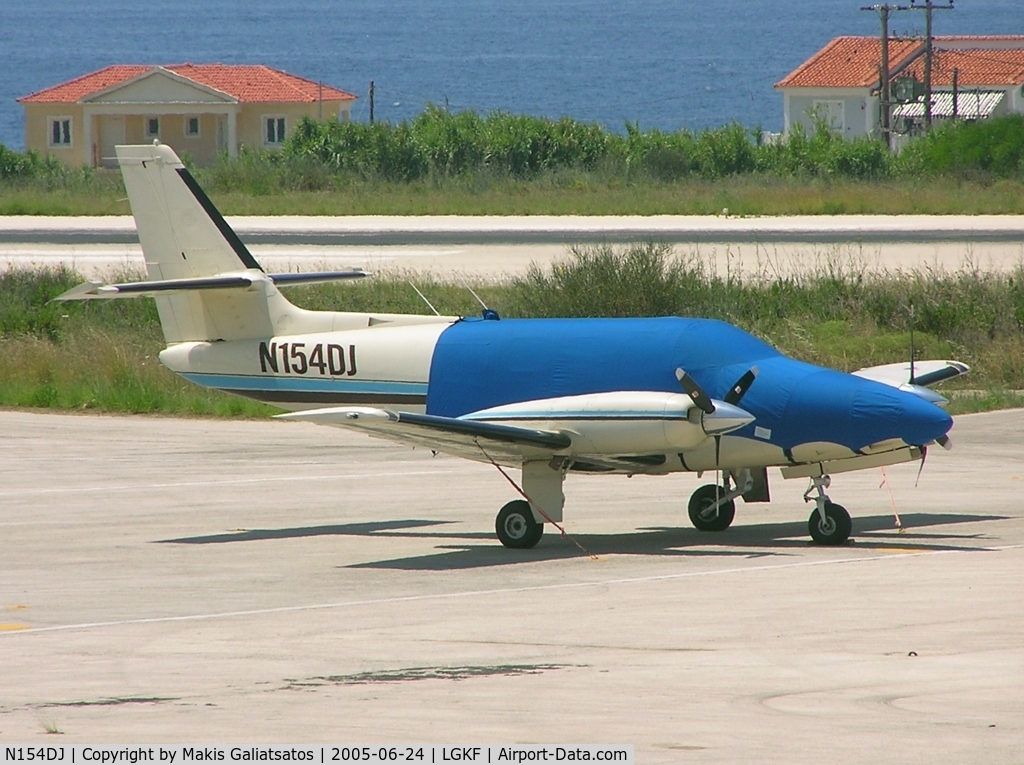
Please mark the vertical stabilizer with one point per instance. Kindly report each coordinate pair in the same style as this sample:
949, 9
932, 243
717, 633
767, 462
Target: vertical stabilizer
182, 233
183, 236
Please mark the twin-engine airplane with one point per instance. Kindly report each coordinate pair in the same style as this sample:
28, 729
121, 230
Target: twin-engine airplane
548, 396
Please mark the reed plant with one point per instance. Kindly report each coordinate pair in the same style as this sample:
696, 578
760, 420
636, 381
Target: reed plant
103, 355
465, 163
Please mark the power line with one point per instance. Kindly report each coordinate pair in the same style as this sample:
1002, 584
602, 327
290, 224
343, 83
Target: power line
884, 99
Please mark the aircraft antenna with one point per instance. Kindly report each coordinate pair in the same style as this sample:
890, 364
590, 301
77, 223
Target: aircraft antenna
466, 285
911, 381
488, 313
424, 299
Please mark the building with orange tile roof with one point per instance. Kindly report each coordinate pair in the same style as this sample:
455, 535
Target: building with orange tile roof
198, 109
840, 83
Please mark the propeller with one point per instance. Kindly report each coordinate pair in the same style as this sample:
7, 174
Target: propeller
724, 416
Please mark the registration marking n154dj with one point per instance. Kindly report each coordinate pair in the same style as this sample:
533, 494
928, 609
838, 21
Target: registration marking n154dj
305, 358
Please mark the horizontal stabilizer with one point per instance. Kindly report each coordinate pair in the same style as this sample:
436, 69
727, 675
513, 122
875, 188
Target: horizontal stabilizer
241, 280
317, 277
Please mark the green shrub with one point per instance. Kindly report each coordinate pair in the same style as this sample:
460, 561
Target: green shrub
965, 148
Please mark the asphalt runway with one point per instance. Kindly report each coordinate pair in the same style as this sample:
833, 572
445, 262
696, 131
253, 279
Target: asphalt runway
197, 581
494, 247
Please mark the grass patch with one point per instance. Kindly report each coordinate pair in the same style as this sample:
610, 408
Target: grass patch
587, 193
103, 355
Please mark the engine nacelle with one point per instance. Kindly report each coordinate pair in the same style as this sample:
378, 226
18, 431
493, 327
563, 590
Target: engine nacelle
621, 422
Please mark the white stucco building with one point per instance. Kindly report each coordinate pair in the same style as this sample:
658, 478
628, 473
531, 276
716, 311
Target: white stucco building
840, 83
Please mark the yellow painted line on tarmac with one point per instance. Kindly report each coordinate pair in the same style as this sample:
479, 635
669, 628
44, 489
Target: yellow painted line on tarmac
16, 607
12, 627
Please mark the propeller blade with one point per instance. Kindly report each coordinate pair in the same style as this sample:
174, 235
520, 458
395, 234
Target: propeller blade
924, 456
740, 388
695, 392
945, 442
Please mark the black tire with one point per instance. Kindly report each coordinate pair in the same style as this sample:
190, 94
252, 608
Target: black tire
836, 527
516, 527
704, 519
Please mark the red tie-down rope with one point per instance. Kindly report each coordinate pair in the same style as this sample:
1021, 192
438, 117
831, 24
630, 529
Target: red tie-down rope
896, 515
533, 504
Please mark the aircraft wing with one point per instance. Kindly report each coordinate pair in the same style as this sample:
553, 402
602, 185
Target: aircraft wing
507, 444
926, 373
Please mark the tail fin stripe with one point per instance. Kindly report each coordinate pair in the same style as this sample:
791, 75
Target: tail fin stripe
222, 225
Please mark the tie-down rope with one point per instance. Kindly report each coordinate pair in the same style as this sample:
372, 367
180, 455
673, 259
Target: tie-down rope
533, 504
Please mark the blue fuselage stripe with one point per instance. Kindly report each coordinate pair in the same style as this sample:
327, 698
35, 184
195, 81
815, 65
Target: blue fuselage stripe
304, 384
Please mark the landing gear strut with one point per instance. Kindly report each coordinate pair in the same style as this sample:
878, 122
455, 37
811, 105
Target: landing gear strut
520, 526
829, 524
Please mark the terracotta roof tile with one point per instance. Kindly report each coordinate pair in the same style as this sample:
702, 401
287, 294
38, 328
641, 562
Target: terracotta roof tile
978, 67
247, 83
73, 90
849, 62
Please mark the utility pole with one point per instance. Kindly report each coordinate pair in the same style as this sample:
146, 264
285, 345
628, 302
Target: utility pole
928, 65
884, 105
883, 95
928, 7
371, 102
956, 92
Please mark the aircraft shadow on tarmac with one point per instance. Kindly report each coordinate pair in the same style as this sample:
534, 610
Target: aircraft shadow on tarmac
467, 550
374, 528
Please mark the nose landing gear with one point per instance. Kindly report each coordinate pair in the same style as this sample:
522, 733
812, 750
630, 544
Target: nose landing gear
830, 523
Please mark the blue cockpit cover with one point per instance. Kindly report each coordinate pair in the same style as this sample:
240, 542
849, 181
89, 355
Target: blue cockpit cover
479, 364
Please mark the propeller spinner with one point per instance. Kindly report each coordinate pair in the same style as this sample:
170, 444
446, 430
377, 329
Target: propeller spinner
719, 417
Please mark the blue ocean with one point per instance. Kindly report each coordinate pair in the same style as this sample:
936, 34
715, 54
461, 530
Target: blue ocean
661, 63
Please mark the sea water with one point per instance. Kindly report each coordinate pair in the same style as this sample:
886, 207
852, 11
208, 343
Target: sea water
660, 63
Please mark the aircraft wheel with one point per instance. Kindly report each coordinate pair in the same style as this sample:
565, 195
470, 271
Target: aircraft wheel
834, 529
516, 526
704, 518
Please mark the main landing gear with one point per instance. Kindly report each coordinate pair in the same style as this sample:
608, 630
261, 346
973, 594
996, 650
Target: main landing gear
520, 526
710, 510
713, 508
516, 527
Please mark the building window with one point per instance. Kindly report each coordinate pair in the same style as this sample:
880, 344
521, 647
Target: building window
274, 132
152, 127
192, 127
832, 114
60, 131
